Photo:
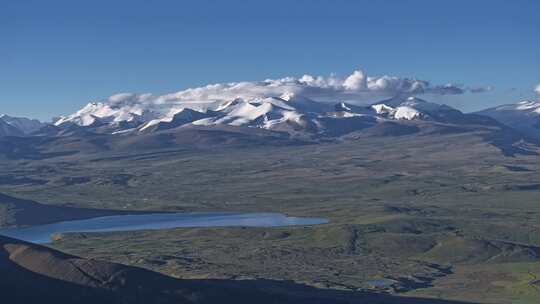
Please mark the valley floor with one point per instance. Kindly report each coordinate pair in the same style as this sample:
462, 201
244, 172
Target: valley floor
446, 216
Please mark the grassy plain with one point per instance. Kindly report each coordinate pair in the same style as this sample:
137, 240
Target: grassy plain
444, 216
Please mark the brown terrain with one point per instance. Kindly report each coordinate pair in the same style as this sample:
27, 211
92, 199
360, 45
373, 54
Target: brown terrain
37, 274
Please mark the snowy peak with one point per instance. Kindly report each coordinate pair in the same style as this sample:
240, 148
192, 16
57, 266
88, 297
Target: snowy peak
399, 112
184, 116
412, 108
407, 113
415, 103
527, 107
304, 104
262, 113
103, 113
523, 116
288, 112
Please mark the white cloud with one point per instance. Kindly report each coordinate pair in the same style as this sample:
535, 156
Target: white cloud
537, 89
122, 99
356, 81
356, 87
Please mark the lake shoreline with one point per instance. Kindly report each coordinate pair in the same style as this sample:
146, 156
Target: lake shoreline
156, 221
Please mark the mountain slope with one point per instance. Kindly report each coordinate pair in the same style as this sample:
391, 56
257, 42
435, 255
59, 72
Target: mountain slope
20, 212
293, 114
38, 274
18, 126
281, 120
9, 130
523, 116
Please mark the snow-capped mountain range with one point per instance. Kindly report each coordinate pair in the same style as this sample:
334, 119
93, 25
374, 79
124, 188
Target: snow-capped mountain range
291, 113
288, 112
523, 116
287, 104
287, 119
307, 107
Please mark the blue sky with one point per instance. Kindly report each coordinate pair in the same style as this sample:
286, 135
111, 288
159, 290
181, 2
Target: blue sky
55, 56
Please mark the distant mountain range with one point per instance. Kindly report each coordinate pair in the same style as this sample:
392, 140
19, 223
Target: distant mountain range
293, 114
290, 118
18, 126
523, 116
296, 115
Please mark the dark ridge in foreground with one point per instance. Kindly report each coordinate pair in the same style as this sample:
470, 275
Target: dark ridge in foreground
37, 274
21, 212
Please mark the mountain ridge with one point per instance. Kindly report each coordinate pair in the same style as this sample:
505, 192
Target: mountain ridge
523, 116
18, 126
289, 112
288, 119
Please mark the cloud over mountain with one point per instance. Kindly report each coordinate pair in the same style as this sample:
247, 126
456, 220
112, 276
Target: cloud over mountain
537, 89
314, 104
356, 87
